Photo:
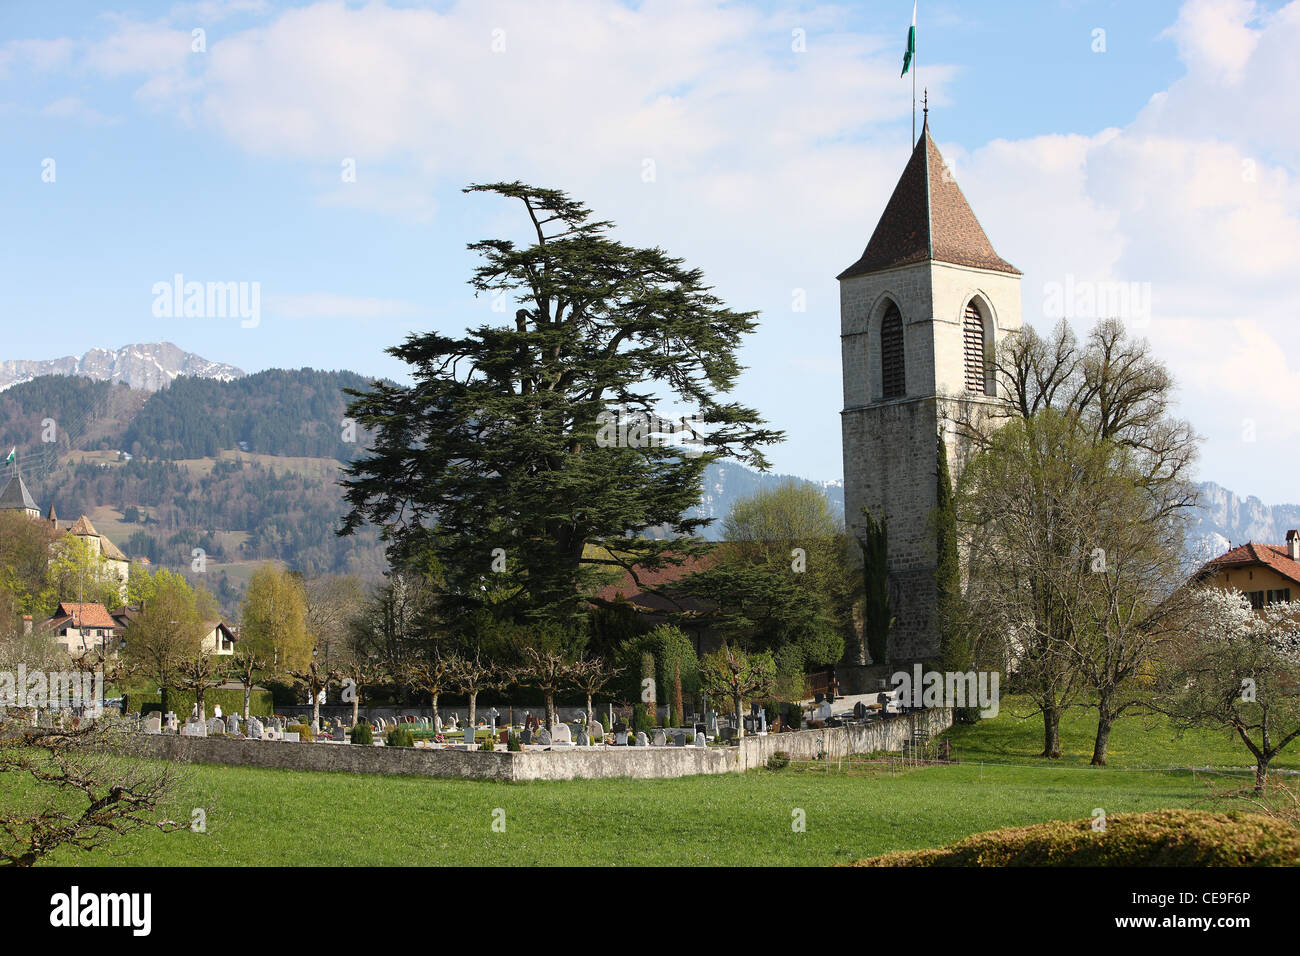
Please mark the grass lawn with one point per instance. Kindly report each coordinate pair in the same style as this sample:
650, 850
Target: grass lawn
291, 818
1139, 741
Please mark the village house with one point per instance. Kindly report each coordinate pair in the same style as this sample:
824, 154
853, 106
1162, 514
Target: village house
1265, 573
80, 628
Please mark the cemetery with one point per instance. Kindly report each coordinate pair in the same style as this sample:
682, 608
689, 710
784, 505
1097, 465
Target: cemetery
525, 748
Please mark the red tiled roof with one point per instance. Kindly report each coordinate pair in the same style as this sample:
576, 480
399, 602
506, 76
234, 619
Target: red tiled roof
86, 615
659, 578
927, 218
1269, 555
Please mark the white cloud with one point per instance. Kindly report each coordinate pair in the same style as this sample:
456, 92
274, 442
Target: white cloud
38, 55
74, 108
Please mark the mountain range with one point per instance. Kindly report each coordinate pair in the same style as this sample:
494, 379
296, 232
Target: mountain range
147, 367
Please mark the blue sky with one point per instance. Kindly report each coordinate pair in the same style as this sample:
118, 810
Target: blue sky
1167, 159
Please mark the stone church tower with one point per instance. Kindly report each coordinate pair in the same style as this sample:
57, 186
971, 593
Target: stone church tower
919, 312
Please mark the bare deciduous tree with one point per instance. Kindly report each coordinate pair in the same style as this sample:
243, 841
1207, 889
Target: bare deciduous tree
77, 789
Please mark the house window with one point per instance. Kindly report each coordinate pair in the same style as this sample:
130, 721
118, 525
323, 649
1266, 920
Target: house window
1256, 599
1279, 596
893, 369
972, 329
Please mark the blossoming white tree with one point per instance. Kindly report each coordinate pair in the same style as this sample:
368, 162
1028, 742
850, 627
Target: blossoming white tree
1237, 668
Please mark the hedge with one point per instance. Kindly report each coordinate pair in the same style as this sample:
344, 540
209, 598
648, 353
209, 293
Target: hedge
1159, 838
182, 702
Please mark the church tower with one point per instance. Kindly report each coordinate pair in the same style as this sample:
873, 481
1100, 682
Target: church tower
920, 311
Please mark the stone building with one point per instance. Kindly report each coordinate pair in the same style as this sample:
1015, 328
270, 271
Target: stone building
920, 313
16, 497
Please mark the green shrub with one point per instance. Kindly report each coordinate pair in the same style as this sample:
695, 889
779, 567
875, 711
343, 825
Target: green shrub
230, 700
513, 743
363, 734
1160, 838
778, 761
302, 730
488, 745
641, 718
400, 737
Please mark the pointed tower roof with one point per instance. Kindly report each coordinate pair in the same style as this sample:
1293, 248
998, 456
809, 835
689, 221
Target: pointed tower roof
82, 526
927, 218
17, 497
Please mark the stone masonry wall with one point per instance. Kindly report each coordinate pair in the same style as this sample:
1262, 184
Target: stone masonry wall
636, 762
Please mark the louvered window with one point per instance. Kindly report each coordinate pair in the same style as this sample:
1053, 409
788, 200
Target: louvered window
973, 348
893, 370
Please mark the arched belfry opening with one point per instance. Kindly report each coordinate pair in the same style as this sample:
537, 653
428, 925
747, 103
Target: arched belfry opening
975, 350
893, 360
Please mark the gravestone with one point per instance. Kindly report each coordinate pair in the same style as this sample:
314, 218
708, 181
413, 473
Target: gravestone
152, 724
170, 722
254, 728
562, 734
711, 723
544, 737
596, 731
526, 737
641, 739
340, 732
194, 730
679, 738
701, 740
290, 736
216, 726
582, 739
437, 723
661, 739
232, 724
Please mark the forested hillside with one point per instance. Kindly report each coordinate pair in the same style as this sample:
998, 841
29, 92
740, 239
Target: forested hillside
287, 412
243, 469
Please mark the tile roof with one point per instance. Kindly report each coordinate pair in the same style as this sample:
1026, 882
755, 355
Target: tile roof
82, 526
1273, 556
927, 218
659, 579
86, 615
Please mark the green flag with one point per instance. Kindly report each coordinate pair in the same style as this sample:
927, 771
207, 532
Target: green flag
10, 459
911, 44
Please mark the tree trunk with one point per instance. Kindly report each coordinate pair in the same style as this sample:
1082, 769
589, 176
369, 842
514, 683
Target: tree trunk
1104, 721
740, 721
1051, 733
590, 714
469, 727
248, 698
1261, 774
166, 698
550, 711
356, 702
203, 710
315, 705
433, 699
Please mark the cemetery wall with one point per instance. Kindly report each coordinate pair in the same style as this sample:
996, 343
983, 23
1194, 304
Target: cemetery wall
871, 737
635, 762
282, 755
642, 763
